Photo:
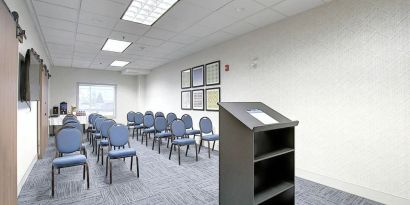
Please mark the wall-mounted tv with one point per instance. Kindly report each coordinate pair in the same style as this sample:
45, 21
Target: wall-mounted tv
30, 71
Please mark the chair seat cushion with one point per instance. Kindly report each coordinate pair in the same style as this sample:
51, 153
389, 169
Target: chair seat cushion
149, 130
69, 161
210, 137
138, 126
192, 132
163, 134
184, 141
104, 142
120, 153
97, 135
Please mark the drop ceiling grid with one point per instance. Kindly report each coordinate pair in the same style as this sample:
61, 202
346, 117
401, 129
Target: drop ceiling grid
220, 19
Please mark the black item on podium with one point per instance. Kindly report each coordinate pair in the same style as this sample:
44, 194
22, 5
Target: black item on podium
256, 160
55, 110
63, 108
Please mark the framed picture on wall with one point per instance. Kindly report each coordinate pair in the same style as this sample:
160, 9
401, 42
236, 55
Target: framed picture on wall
213, 73
186, 100
186, 78
213, 97
198, 99
198, 76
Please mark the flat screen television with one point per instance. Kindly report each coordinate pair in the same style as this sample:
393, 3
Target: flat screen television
29, 76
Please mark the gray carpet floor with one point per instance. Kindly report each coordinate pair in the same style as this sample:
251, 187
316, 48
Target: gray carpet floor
161, 181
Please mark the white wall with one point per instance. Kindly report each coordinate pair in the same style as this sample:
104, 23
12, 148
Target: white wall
26, 118
64, 87
342, 70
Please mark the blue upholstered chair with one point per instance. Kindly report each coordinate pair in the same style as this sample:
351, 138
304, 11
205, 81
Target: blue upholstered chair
68, 120
118, 137
79, 127
97, 134
171, 117
138, 123
188, 126
91, 127
207, 134
68, 140
178, 133
149, 113
130, 119
160, 126
105, 126
159, 114
148, 128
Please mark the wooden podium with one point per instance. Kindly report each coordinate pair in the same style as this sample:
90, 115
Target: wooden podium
256, 155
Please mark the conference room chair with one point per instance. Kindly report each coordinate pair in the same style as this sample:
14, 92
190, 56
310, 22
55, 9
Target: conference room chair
189, 127
79, 127
160, 126
207, 134
148, 128
170, 118
69, 119
68, 140
149, 113
138, 124
105, 126
91, 128
92, 124
118, 137
97, 134
130, 120
178, 133
159, 114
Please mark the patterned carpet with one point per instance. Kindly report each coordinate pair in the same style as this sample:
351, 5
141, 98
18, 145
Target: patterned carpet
161, 181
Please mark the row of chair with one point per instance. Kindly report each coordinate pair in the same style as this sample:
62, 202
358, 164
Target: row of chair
171, 128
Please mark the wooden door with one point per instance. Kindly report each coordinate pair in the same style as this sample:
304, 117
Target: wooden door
43, 114
8, 107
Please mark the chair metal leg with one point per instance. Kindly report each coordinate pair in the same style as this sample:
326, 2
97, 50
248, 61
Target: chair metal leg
159, 146
187, 148
131, 163
106, 167
153, 142
168, 142
52, 181
196, 152
213, 146
133, 131
138, 169
179, 154
142, 138
146, 139
98, 153
84, 172
102, 156
200, 145
209, 149
170, 151
110, 172
88, 176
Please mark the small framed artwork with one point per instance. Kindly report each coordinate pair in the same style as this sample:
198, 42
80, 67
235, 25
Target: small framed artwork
186, 100
213, 73
186, 78
198, 99
198, 76
213, 97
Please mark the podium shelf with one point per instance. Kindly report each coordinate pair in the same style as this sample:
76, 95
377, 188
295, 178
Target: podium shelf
271, 192
273, 154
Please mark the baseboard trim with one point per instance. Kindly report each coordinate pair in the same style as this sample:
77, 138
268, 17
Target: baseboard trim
353, 188
24, 179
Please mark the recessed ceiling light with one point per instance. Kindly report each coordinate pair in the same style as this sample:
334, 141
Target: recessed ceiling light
119, 63
147, 11
115, 45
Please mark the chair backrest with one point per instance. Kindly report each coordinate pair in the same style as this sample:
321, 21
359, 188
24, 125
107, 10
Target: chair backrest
75, 125
105, 126
138, 118
149, 113
90, 117
98, 123
70, 120
148, 121
118, 135
130, 116
171, 117
178, 128
205, 125
187, 120
68, 140
159, 114
160, 124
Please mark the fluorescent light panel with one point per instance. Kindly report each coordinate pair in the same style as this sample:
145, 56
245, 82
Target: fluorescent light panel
119, 63
115, 45
147, 11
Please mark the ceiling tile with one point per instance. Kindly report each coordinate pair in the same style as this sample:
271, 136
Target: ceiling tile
97, 20
150, 41
160, 34
174, 24
292, 7
62, 62
105, 7
53, 11
74, 4
90, 38
58, 36
170, 46
111, 68
198, 30
60, 48
184, 38
187, 12
131, 27
85, 47
92, 30
210, 4
124, 36
239, 28
265, 17
240, 8
57, 23
217, 21
269, 2
80, 64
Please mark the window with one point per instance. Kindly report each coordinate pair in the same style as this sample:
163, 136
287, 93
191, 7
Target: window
93, 98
